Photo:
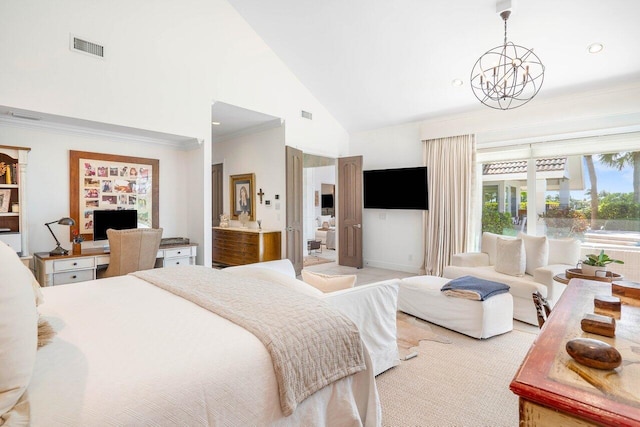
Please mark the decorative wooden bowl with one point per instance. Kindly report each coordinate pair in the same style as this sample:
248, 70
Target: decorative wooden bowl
576, 273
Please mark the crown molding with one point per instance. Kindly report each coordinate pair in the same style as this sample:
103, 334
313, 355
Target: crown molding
154, 138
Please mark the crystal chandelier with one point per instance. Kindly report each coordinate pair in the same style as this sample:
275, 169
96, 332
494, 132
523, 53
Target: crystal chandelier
507, 76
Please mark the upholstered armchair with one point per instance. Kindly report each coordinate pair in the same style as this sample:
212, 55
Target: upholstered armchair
132, 250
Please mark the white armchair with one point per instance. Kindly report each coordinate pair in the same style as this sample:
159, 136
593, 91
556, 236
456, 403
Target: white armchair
561, 255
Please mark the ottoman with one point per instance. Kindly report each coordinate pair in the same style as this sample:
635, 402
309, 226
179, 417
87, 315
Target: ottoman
420, 296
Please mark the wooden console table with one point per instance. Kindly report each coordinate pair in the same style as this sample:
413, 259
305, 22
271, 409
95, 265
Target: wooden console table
238, 246
556, 390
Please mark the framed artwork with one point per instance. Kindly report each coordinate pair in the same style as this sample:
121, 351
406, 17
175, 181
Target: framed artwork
108, 181
5, 195
242, 189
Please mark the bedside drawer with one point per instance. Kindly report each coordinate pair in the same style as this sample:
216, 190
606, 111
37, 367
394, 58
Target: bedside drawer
73, 277
170, 262
73, 264
179, 252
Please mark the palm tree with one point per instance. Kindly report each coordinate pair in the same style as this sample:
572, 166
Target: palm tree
594, 189
619, 161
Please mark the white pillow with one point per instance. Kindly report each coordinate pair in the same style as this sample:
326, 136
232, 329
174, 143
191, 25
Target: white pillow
564, 251
488, 245
277, 277
537, 251
18, 332
510, 257
329, 283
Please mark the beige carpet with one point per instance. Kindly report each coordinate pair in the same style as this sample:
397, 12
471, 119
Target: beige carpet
461, 383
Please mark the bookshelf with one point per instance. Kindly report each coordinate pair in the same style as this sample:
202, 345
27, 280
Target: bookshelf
13, 202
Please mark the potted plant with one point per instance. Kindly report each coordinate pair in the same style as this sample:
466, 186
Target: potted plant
598, 262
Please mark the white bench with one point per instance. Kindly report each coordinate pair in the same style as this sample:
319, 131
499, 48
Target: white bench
420, 296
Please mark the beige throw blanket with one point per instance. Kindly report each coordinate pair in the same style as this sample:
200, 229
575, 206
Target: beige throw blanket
311, 344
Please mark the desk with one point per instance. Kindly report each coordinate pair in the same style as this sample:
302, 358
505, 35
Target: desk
551, 385
60, 270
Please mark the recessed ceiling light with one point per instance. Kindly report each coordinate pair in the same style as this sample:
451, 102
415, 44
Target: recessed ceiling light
215, 123
595, 47
456, 83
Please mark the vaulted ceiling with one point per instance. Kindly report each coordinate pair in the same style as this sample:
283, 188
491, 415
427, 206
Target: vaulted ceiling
375, 63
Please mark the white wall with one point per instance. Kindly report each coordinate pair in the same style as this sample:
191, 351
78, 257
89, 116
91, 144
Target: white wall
263, 154
48, 179
392, 239
165, 64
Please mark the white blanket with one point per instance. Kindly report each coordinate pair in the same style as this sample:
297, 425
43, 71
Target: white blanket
127, 353
310, 343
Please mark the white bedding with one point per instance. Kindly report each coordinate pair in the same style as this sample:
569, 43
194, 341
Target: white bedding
128, 353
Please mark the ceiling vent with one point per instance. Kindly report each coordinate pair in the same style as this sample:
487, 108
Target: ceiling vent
77, 44
307, 115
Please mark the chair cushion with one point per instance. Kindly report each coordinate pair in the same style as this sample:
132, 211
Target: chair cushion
329, 283
537, 251
510, 257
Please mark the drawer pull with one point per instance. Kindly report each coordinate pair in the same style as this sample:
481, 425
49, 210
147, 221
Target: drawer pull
74, 277
75, 263
179, 252
177, 262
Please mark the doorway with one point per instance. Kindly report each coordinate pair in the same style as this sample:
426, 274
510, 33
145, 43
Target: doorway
319, 208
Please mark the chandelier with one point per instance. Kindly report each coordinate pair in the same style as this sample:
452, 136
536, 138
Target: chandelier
507, 76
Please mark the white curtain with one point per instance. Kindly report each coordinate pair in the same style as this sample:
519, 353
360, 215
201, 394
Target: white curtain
450, 223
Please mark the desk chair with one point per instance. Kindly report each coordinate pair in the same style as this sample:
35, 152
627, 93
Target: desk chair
132, 250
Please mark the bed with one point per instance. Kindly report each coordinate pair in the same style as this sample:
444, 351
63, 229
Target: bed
127, 352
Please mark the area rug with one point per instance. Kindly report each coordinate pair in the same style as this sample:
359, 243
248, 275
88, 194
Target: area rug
411, 331
462, 383
314, 260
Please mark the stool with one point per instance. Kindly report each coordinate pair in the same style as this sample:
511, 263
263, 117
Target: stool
420, 296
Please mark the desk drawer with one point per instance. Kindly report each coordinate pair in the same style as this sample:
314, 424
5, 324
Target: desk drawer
178, 252
170, 262
74, 264
73, 277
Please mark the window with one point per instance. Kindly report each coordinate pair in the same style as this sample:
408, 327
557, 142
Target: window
585, 192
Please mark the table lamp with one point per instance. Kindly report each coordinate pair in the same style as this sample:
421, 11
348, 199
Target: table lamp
59, 250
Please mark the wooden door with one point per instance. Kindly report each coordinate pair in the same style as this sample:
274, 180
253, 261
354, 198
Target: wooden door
294, 218
349, 222
217, 207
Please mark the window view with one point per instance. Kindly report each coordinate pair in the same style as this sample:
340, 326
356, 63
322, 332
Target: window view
595, 198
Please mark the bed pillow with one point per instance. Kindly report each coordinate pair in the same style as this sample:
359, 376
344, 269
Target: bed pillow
18, 333
537, 251
325, 218
277, 277
329, 283
510, 257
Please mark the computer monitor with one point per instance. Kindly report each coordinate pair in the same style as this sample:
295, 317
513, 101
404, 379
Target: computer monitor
116, 219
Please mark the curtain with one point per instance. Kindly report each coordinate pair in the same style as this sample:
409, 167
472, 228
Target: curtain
451, 221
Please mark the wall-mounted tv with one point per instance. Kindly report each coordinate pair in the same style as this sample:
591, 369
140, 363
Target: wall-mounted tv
116, 219
404, 188
327, 201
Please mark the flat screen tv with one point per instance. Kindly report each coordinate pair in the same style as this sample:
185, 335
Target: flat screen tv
327, 200
116, 219
404, 188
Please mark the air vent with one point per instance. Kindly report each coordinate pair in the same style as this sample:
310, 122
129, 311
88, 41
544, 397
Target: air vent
307, 115
83, 46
